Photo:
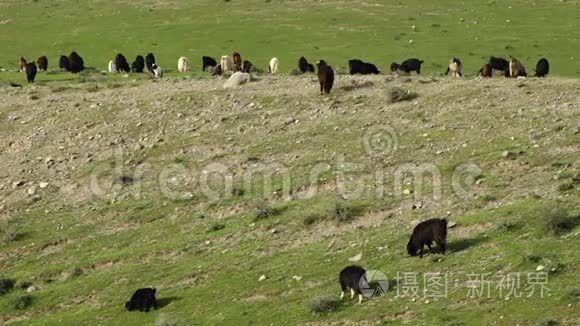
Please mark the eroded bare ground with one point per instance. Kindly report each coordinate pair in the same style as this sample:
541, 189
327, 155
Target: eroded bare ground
57, 134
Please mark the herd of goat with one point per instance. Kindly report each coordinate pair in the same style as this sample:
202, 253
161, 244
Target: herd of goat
231, 64
351, 279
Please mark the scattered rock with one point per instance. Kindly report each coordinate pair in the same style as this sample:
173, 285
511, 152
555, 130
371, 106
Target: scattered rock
237, 79
262, 278
507, 154
540, 268
31, 191
356, 258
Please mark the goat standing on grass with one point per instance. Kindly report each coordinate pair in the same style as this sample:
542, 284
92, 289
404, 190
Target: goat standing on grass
454, 68
150, 61
182, 64
425, 233
63, 63
273, 66
516, 69
138, 65
30, 70
351, 278
42, 63
21, 64
542, 68
156, 71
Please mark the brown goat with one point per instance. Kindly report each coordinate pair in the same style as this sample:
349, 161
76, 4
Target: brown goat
22, 64
237, 61
42, 63
325, 77
517, 69
486, 71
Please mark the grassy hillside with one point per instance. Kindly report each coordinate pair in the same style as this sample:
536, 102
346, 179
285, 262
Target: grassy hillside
337, 30
134, 197
241, 206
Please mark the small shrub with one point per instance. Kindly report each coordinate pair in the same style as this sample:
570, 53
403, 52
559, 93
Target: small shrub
216, 227
322, 305
295, 72
557, 269
574, 294
506, 226
533, 259
566, 186
312, 219
93, 88
60, 89
22, 302
124, 180
238, 192
488, 198
24, 285
264, 211
340, 213
8, 233
557, 220
398, 94
549, 322
6, 285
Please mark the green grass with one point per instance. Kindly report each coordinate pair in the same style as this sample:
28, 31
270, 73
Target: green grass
146, 256
378, 31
